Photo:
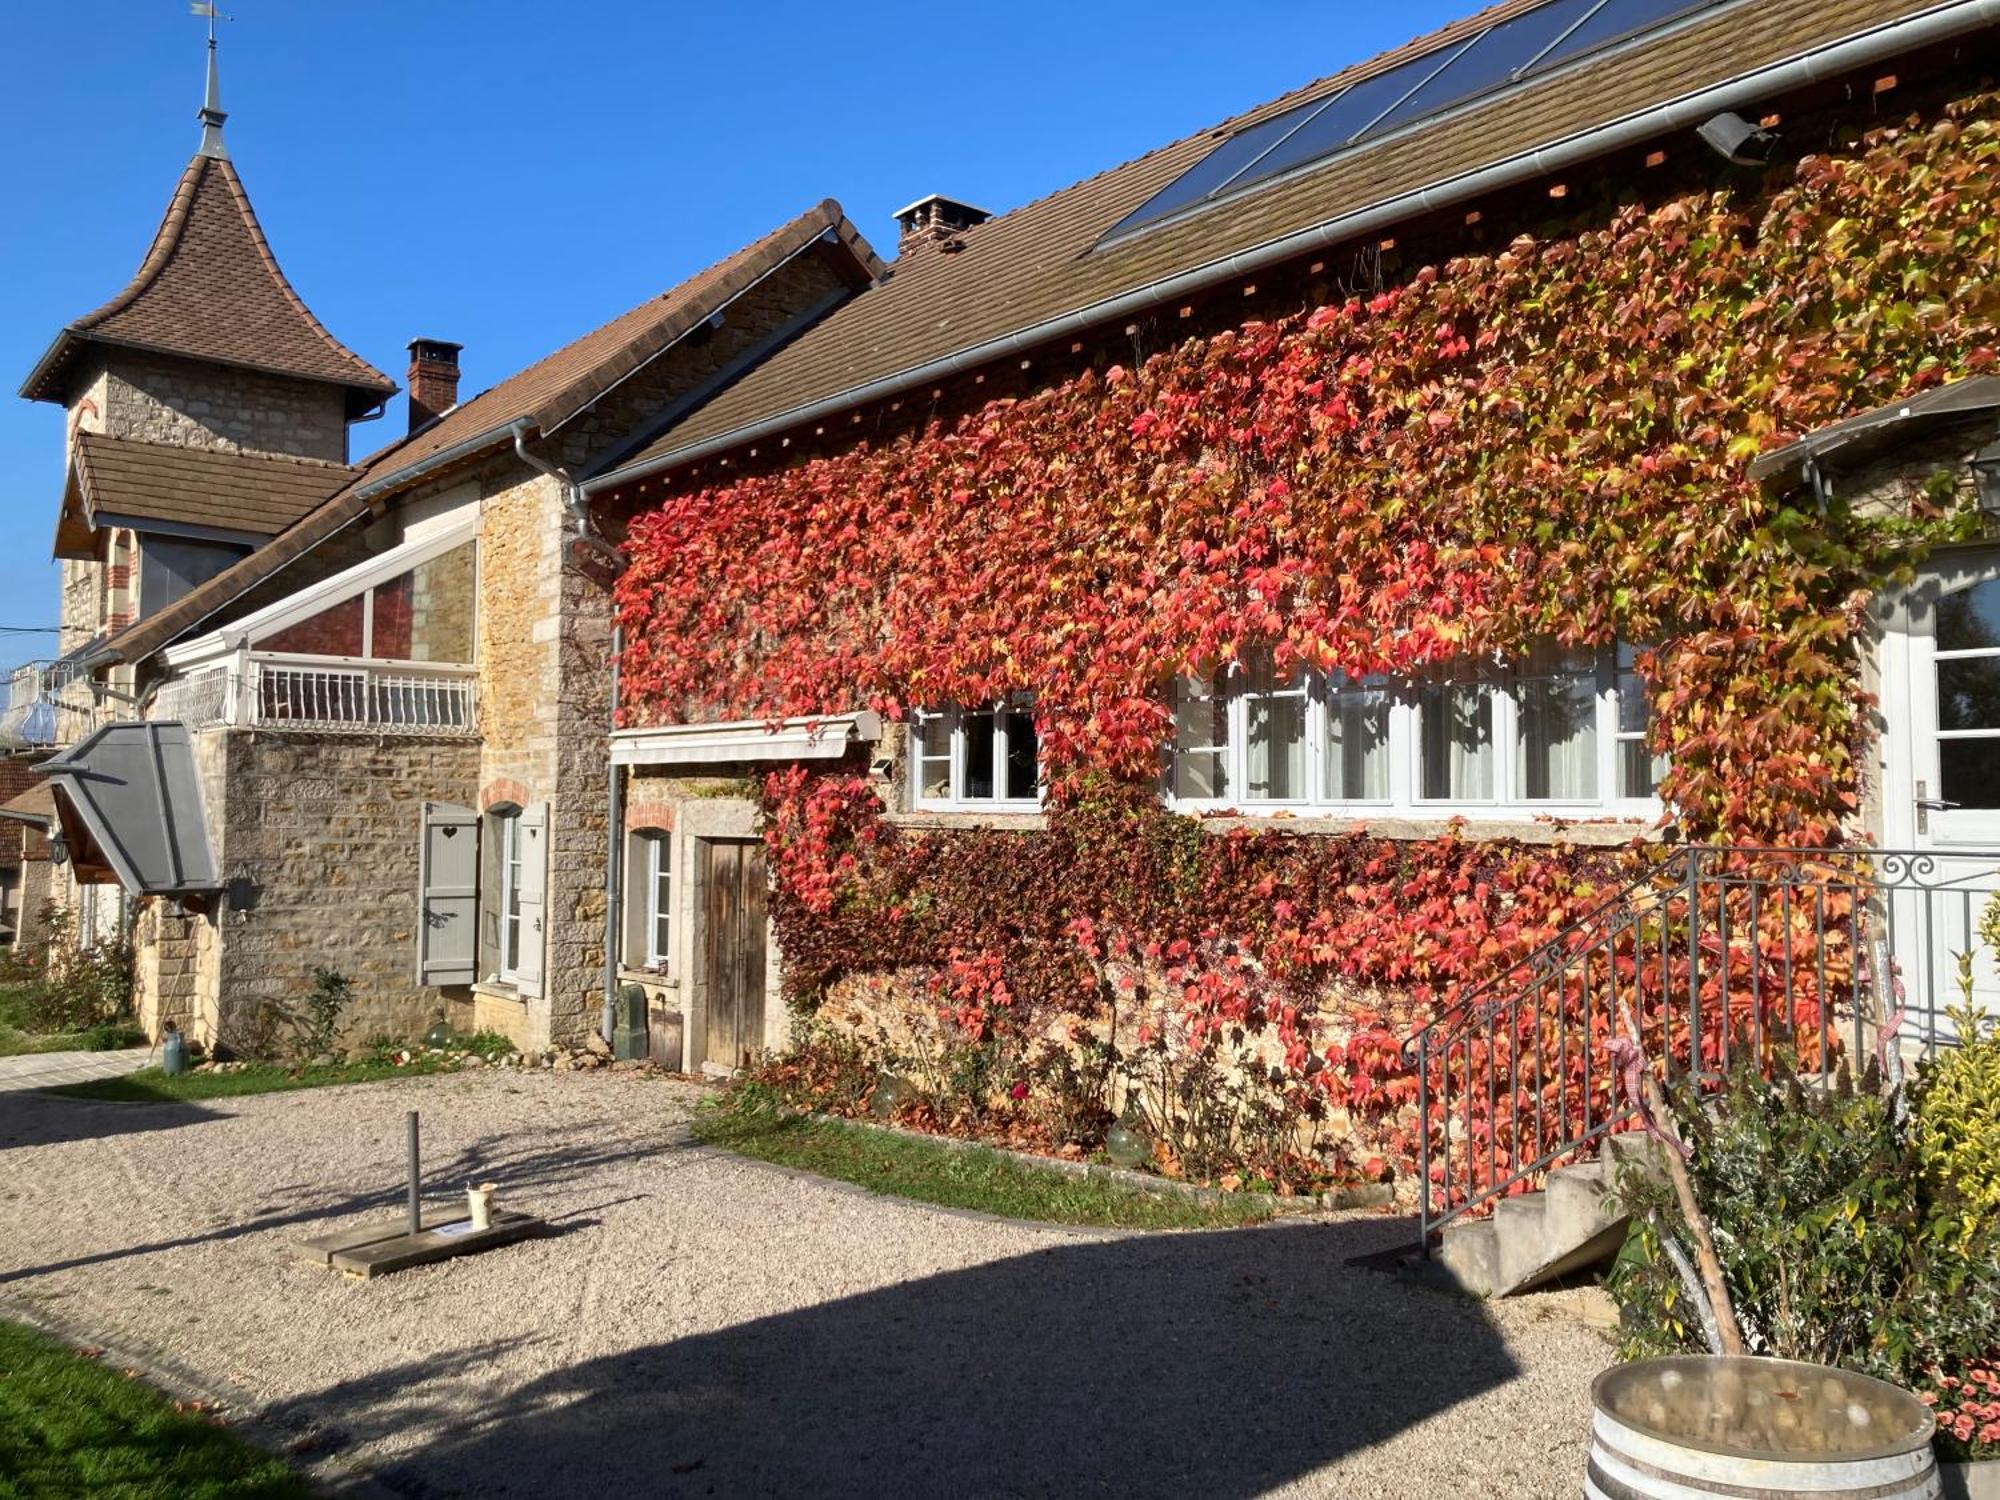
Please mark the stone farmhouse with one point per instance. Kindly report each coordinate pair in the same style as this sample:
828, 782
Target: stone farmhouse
361, 714
375, 694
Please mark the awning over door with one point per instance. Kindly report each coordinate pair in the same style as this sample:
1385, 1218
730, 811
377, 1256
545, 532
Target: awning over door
744, 741
129, 805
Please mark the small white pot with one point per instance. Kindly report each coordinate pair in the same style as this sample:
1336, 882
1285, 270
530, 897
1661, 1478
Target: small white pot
479, 1203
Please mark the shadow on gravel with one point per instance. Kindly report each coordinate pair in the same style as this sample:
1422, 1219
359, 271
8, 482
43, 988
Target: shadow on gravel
523, 1159
1220, 1363
30, 1117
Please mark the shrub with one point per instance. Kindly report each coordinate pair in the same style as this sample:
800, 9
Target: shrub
316, 1022
68, 987
1958, 1127
1838, 1245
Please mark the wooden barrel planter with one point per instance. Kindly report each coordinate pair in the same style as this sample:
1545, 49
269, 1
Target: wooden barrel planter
1755, 1429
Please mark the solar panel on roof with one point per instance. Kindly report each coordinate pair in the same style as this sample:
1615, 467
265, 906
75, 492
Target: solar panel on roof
1615, 20
1218, 167
1343, 119
1507, 52
1494, 57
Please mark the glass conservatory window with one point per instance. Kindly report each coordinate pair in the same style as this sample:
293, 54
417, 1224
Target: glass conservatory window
424, 614
979, 758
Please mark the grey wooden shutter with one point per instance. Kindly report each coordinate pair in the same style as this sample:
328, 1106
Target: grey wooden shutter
534, 885
448, 895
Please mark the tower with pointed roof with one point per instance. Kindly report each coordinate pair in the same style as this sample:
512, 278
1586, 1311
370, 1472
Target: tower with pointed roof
207, 406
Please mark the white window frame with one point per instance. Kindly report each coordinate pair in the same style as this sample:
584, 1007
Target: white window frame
508, 960
1403, 752
957, 800
659, 905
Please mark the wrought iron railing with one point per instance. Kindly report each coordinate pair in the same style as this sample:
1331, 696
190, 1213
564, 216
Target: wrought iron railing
1715, 953
325, 696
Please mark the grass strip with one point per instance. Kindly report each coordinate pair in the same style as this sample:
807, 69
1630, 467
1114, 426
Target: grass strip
955, 1177
69, 1426
151, 1086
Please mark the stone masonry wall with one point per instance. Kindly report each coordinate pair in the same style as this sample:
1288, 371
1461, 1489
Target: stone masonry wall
160, 399
544, 686
320, 844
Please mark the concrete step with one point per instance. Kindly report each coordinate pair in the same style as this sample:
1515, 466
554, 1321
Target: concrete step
1520, 1224
1535, 1238
1469, 1256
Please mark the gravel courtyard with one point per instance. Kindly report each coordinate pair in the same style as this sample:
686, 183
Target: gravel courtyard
698, 1324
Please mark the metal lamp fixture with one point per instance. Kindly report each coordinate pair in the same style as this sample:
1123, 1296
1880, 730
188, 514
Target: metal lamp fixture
1986, 478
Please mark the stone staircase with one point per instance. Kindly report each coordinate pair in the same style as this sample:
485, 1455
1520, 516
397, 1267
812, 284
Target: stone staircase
1535, 1238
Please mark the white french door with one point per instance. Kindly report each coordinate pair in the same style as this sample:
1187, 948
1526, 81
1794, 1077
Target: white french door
1940, 690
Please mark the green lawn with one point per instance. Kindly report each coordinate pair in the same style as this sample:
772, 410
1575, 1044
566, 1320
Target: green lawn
71, 1427
151, 1086
17, 1036
955, 1177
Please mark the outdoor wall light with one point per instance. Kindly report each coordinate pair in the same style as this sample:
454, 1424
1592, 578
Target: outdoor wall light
1735, 138
58, 850
1986, 478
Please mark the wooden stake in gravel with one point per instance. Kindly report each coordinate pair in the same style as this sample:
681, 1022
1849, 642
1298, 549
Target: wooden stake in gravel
1651, 1099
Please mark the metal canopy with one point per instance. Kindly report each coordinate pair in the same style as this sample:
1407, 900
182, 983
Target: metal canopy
129, 803
744, 741
1868, 433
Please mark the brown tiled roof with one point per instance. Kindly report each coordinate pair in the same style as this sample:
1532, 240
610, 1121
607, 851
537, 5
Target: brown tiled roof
210, 289
1037, 262
254, 492
24, 791
546, 394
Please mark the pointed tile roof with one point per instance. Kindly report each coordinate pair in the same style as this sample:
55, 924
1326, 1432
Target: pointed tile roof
210, 289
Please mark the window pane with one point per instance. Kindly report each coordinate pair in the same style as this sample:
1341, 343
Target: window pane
389, 632
1615, 20
334, 631
1970, 618
1970, 772
1555, 740
663, 855
978, 729
1639, 770
1455, 735
1969, 693
1274, 731
1201, 737
934, 756
1357, 742
1023, 768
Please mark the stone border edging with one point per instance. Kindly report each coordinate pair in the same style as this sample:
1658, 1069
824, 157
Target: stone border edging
1363, 1195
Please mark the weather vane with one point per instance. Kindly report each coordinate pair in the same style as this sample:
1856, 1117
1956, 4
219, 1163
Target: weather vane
207, 9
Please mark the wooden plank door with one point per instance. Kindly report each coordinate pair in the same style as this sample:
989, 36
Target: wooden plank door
733, 949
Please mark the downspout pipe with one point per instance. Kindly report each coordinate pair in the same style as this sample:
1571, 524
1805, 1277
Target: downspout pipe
573, 498
614, 867
1939, 24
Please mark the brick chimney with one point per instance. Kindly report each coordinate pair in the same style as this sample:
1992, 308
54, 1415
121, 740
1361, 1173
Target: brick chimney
936, 220
433, 379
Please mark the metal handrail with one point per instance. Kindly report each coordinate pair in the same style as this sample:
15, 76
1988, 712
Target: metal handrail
1714, 948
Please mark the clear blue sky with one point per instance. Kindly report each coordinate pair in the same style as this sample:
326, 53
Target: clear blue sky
510, 173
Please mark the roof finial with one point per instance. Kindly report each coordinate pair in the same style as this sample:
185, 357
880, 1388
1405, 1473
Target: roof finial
212, 114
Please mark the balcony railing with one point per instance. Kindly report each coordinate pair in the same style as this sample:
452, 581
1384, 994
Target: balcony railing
325, 695
53, 703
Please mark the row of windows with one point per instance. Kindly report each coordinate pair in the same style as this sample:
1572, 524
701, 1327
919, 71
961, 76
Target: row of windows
1562, 730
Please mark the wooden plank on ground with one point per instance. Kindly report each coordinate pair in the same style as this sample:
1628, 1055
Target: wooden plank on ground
324, 1247
402, 1250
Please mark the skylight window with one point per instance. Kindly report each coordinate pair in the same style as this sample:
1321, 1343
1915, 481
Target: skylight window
1505, 53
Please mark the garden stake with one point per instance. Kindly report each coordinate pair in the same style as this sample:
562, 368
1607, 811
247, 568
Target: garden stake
1651, 1101
415, 1223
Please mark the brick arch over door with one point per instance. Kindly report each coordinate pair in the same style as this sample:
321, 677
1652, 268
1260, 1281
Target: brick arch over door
503, 791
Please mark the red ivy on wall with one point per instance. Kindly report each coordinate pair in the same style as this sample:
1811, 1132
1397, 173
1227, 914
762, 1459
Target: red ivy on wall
1547, 441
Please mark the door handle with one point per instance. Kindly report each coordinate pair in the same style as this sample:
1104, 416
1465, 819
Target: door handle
1927, 804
